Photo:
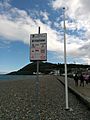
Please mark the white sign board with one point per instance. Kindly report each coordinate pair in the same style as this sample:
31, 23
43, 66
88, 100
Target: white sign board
38, 47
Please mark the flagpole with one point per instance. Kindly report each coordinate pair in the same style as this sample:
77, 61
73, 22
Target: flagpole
65, 62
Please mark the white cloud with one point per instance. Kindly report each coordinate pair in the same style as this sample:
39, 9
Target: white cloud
78, 11
57, 4
45, 15
16, 24
12, 30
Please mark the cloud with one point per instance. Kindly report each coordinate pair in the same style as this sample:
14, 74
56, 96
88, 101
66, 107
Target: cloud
12, 30
78, 23
45, 15
16, 24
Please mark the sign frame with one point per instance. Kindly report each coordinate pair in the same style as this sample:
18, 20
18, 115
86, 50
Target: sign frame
38, 47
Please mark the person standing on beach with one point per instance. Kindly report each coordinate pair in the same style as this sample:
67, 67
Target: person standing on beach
89, 79
76, 79
86, 78
81, 80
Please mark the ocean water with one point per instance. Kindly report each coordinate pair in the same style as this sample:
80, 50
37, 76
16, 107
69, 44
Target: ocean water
17, 77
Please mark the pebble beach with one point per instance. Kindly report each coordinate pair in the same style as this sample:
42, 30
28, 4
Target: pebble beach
18, 101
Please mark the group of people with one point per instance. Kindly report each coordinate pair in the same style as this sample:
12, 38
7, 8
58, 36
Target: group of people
82, 78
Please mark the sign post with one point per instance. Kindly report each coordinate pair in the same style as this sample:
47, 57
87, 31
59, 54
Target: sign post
38, 67
38, 52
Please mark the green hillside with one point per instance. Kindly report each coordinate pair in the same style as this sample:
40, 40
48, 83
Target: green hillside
31, 68
46, 68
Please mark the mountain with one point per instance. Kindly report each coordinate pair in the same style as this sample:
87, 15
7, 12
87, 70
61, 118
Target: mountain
31, 68
46, 68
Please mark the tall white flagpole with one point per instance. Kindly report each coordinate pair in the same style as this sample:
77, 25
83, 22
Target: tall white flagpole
65, 62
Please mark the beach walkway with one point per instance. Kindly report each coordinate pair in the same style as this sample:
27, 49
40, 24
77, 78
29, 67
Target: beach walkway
82, 92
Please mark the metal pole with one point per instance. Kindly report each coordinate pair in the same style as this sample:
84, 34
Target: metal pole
65, 62
37, 89
37, 60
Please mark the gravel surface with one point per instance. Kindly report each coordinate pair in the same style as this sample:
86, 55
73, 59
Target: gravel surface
18, 101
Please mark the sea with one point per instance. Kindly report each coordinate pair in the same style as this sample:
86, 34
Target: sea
17, 77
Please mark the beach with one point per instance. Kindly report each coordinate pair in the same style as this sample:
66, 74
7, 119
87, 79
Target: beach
18, 101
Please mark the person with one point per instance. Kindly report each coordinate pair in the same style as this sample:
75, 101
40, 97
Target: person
89, 79
81, 80
86, 78
76, 79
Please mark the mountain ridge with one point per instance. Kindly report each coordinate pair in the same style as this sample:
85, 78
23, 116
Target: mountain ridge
46, 68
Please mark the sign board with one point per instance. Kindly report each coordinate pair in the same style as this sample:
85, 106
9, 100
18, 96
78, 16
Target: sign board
38, 47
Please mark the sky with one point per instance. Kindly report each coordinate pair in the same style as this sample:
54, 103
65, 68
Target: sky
20, 18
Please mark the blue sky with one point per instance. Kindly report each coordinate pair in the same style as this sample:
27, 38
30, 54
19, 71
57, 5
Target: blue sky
20, 18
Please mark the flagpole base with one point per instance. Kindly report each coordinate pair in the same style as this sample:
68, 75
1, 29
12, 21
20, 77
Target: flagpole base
69, 109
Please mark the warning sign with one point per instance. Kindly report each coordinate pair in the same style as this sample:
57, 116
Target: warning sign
38, 47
